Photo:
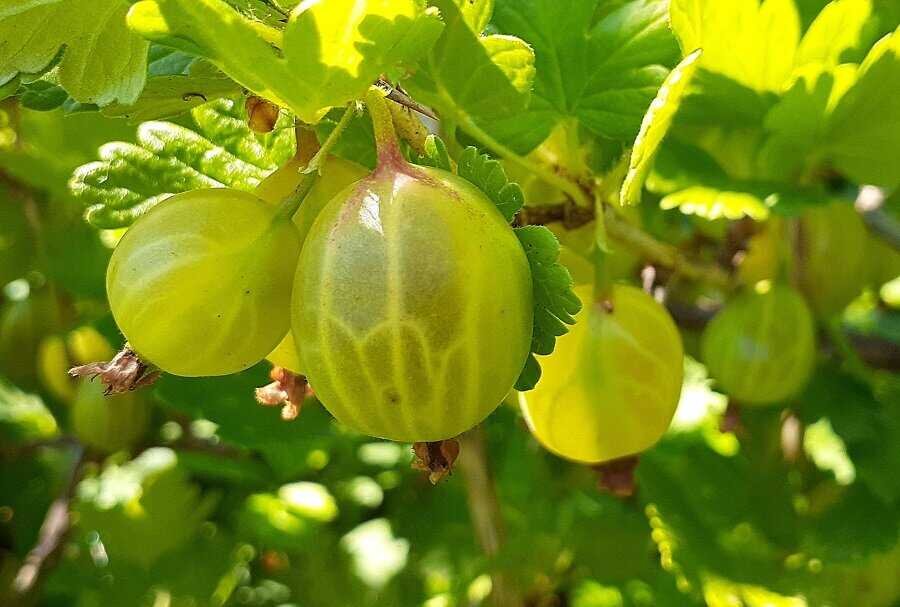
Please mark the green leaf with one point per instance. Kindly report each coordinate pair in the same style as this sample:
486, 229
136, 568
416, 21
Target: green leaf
130, 179
129, 505
100, 61
748, 42
715, 203
796, 124
330, 52
655, 126
488, 175
166, 96
229, 402
436, 154
476, 13
690, 179
555, 303
841, 31
869, 427
604, 75
42, 95
470, 77
23, 417
864, 132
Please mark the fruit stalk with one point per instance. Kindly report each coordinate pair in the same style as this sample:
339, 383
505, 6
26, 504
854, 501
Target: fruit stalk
386, 144
291, 204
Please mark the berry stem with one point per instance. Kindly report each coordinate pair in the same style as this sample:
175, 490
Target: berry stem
291, 204
386, 143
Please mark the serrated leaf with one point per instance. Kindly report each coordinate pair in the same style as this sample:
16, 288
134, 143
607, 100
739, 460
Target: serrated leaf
476, 13
436, 154
864, 131
838, 34
690, 180
468, 76
715, 203
330, 52
129, 179
796, 123
100, 60
42, 95
555, 303
166, 96
603, 75
488, 175
655, 126
748, 42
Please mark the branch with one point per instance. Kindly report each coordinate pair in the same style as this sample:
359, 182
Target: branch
484, 508
53, 530
630, 236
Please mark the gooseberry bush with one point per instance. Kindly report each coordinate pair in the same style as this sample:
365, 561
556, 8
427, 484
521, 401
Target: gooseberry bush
450, 302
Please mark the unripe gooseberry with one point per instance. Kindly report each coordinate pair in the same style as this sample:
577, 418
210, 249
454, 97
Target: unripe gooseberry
831, 256
412, 305
760, 347
611, 386
201, 284
335, 176
108, 423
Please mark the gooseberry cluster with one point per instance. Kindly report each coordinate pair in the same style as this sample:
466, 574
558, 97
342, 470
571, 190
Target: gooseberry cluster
405, 298
410, 305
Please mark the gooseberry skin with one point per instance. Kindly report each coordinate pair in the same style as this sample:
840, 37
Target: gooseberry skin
108, 423
201, 284
832, 257
611, 386
337, 174
412, 305
760, 347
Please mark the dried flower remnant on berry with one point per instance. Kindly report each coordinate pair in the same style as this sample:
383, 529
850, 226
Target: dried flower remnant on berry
436, 459
124, 373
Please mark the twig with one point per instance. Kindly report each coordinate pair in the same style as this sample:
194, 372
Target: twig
53, 530
484, 508
30, 448
632, 237
398, 96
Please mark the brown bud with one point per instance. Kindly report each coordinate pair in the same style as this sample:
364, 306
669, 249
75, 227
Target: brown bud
261, 114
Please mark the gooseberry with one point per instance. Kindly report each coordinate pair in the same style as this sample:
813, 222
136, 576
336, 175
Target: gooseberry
831, 256
612, 384
108, 424
760, 347
412, 305
201, 284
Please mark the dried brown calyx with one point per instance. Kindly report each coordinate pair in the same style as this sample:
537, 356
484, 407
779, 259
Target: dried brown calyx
617, 476
435, 459
262, 115
287, 390
124, 373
